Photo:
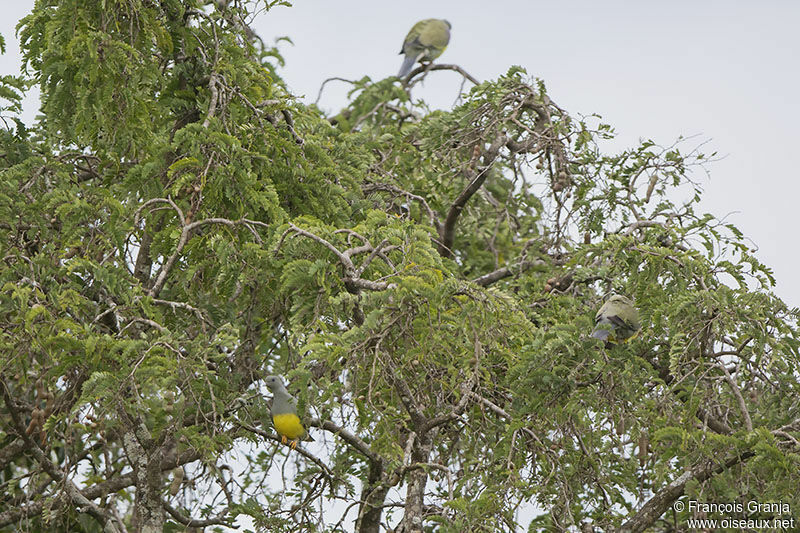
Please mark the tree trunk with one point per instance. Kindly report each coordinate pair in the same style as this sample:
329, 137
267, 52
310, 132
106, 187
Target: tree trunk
417, 479
372, 497
148, 512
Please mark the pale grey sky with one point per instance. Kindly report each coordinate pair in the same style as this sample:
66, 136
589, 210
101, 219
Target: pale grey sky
724, 71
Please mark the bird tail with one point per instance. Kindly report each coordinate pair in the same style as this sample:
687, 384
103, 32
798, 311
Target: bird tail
405, 68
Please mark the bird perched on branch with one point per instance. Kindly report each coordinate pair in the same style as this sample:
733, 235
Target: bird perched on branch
284, 413
425, 42
616, 321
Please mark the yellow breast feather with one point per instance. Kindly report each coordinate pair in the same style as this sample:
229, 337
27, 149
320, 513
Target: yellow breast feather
289, 426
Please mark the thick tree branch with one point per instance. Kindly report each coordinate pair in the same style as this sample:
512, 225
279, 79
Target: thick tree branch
505, 272
144, 263
348, 265
415, 483
429, 67
664, 498
373, 496
407, 398
350, 438
458, 409
11, 451
447, 232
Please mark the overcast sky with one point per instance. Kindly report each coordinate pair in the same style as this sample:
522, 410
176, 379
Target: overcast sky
726, 72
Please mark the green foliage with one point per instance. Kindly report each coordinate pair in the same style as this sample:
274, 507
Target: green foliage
177, 226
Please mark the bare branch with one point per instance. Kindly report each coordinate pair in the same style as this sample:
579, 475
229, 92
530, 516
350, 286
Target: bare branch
375, 252
360, 283
407, 397
441, 66
346, 262
500, 411
181, 305
151, 323
346, 436
287, 116
457, 410
748, 423
504, 272
322, 87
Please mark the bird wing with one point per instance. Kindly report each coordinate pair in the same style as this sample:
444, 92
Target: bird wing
412, 39
619, 322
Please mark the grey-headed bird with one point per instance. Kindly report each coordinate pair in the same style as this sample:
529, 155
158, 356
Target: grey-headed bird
284, 413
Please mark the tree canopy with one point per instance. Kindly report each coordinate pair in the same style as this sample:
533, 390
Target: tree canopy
176, 226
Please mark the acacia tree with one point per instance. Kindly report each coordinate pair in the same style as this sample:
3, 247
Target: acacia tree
176, 226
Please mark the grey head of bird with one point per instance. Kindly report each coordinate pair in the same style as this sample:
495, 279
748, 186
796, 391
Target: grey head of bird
282, 401
274, 382
276, 386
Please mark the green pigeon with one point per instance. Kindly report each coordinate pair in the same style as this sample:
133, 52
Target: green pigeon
284, 413
425, 42
616, 321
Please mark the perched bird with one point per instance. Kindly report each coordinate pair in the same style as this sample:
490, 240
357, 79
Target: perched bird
284, 413
425, 42
616, 321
